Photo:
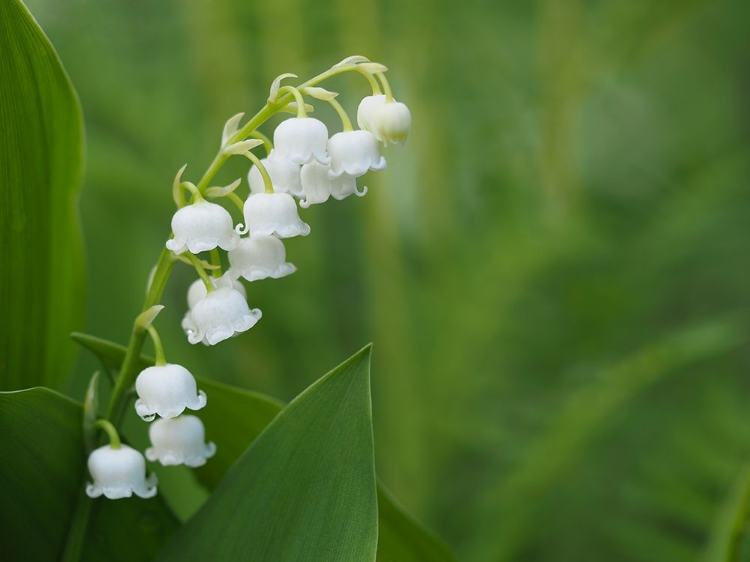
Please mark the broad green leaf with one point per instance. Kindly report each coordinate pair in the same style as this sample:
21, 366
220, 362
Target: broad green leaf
42, 479
304, 490
235, 417
41, 156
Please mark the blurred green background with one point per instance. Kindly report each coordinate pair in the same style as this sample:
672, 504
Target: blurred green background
555, 270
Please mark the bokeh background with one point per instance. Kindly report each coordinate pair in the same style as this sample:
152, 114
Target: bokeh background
555, 270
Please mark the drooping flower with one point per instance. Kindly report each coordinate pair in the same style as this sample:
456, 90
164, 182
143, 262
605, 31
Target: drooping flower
300, 139
391, 122
285, 175
318, 186
354, 153
202, 226
179, 441
166, 390
259, 258
119, 473
273, 213
367, 109
218, 316
198, 291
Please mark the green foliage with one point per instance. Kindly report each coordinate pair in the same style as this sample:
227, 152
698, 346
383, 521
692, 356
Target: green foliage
235, 417
42, 483
41, 137
304, 490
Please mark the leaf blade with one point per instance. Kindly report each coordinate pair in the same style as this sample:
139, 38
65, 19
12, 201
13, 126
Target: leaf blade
311, 477
41, 135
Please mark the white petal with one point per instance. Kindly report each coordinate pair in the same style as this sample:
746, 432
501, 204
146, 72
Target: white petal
200, 227
118, 473
300, 139
166, 390
354, 153
259, 258
273, 213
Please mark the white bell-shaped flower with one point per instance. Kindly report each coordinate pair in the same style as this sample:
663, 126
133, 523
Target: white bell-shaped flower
198, 291
166, 390
391, 122
202, 226
273, 213
354, 153
285, 175
318, 186
300, 139
259, 258
119, 473
179, 441
367, 109
218, 316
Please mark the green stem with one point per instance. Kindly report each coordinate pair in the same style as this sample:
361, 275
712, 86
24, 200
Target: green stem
215, 257
345, 121
114, 437
301, 113
386, 87
267, 144
199, 269
234, 198
78, 526
158, 347
128, 370
263, 171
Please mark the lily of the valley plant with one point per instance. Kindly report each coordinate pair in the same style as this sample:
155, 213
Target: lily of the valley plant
304, 164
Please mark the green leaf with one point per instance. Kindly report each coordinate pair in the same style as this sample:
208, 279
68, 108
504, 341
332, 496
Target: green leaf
41, 136
730, 528
42, 479
304, 490
235, 417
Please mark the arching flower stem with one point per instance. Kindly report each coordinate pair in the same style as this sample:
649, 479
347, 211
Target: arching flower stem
262, 169
298, 98
386, 87
106, 426
345, 121
158, 347
216, 259
200, 270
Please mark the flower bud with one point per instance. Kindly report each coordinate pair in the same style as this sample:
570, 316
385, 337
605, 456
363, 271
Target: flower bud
391, 122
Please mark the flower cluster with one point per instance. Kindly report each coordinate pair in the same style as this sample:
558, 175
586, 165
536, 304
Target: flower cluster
304, 165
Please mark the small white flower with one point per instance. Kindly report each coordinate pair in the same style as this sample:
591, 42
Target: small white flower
166, 390
200, 227
197, 290
259, 258
273, 213
179, 441
285, 175
353, 153
119, 473
391, 122
300, 139
318, 186
218, 316
367, 109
